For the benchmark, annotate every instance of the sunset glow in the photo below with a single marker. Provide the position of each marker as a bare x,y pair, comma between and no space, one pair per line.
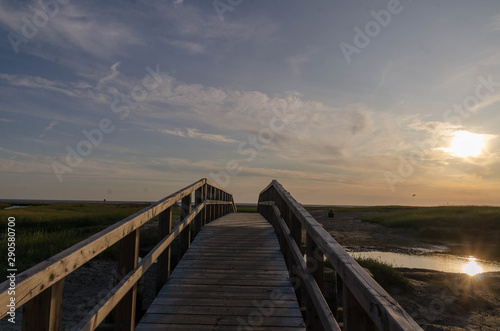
466,144
471,268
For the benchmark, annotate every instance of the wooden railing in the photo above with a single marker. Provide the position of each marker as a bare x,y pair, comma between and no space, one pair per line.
362,304
40,289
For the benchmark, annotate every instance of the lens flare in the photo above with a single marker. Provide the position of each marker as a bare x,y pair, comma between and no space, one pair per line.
471,268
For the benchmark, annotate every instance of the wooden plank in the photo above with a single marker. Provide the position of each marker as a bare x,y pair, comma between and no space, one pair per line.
249,293
313,291
127,261
218,311
33,281
163,262
218,320
44,312
162,327
185,237
243,302
225,281
102,309
385,312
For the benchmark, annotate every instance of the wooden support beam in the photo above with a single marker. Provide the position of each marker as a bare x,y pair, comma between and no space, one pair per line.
197,223
355,317
44,312
128,255
163,262
315,266
185,237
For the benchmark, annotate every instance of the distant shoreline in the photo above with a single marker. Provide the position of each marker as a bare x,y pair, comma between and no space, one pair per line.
76,201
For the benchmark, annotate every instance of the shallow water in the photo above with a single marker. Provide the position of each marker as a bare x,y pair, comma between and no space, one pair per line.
440,262
15,207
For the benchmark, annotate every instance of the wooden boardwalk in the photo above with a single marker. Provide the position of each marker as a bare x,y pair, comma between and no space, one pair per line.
232,278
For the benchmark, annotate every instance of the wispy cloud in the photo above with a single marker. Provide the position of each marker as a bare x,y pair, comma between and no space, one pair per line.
196,134
73,28
48,128
113,74
15,153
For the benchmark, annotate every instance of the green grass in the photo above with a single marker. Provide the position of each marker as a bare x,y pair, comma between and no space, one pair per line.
43,230
358,209
388,277
384,274
246,208
444,223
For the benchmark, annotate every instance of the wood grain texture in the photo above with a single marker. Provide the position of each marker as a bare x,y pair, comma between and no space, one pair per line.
233,275
382,309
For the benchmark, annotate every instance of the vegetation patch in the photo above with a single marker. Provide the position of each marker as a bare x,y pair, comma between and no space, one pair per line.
246,208
43,230
388,277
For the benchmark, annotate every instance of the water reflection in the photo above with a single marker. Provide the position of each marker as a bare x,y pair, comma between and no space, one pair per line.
440,262
471,268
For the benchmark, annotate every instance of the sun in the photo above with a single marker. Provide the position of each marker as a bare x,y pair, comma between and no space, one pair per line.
471,268
466,144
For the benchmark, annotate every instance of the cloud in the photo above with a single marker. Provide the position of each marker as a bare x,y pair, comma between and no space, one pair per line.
190,21
114,73
14,152
48,128
73,28
194,133
34,82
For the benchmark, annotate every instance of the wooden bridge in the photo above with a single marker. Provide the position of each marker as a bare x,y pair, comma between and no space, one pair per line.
235,271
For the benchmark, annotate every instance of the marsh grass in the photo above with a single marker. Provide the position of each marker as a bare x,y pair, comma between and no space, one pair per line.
43,230
476,218
246,208
384,274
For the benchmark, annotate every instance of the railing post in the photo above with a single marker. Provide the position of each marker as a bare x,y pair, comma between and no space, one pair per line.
127,260
44,312
203,212
315,265
197,222
355,317
216,206
296,232
225,206
217,197
163,262
185,236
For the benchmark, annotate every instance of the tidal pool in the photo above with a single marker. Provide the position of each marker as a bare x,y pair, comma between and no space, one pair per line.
439,262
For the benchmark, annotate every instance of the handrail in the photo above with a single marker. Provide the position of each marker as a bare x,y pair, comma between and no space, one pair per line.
313,289
33,284
366,304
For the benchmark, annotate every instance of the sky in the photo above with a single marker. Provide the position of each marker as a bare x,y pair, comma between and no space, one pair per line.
343,102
